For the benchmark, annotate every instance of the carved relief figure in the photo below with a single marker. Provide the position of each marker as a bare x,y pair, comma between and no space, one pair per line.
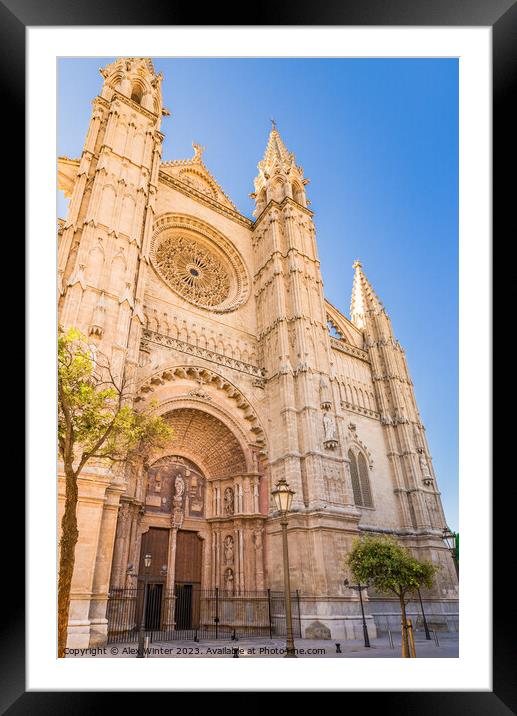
325,399
228,580
425,470
257,539
179,487
196,496
228,501
228,549
329,426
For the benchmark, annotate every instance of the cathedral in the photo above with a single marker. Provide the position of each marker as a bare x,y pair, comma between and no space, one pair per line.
219,322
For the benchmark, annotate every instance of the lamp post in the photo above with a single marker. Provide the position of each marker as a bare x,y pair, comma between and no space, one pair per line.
359,588
141,633
451,541
283,497
427,634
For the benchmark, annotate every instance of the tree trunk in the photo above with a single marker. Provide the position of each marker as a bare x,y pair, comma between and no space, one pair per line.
69,535
405,642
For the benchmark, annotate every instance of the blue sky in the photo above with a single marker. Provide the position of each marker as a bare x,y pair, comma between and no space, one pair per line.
378,138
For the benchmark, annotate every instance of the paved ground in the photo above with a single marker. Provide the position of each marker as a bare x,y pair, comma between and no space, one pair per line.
265,648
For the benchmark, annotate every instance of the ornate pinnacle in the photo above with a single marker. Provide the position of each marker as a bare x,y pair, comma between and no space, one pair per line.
198,151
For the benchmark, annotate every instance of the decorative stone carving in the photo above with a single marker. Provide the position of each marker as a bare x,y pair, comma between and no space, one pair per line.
229,501
179,487
257,539
330,430
228,580
325,397
199,263
228,549
199,393
426,474
99,313
194,271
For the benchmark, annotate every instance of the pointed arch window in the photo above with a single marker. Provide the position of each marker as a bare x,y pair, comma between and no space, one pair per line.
298,194
137,94
360,479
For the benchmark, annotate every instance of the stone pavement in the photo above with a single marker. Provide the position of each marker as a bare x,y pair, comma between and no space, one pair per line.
267,648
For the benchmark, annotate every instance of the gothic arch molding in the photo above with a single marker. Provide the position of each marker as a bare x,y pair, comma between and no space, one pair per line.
206,436
204,375
357,445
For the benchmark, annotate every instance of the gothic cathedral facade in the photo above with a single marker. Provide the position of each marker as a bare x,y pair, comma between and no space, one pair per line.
220,322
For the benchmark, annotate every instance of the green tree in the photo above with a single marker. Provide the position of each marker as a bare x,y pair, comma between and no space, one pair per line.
389,567
96,422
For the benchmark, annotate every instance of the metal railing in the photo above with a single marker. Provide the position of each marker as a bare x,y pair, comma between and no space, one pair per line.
189,613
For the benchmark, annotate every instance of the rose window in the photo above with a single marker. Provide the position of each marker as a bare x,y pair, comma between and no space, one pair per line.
192,269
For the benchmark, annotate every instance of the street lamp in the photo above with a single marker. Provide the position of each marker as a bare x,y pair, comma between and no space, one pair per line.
141,634
283,497
359,588
450,539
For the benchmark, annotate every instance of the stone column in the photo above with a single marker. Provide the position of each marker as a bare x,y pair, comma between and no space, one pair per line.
170,598
100,587
259,558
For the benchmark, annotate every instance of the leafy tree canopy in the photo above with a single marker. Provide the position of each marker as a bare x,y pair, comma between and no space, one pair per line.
388,566
95,413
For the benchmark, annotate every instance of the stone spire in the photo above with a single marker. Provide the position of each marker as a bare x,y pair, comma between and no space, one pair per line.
279,176
364,298
276,155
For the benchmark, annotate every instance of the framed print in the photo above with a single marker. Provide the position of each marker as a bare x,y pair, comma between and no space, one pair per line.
243,464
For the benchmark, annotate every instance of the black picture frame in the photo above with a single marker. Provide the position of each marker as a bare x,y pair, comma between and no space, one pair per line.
501,15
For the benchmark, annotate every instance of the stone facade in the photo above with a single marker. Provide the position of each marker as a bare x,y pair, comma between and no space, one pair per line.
221,321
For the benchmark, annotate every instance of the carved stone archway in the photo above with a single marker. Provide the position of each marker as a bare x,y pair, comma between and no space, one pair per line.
229,495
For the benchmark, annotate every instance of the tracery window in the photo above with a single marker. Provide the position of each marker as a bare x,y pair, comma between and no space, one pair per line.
360,479
193,270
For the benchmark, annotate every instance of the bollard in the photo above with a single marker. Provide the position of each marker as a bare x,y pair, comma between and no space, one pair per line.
338,649
411,638
147,641
235,652
390,639
196,638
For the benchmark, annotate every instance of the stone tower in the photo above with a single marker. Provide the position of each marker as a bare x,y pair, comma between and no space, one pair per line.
306,421
102,263
104,246
414,482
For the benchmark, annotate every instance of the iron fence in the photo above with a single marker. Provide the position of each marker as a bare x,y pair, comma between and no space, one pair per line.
188,613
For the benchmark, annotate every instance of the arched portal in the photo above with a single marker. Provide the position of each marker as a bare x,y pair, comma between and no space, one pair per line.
198,511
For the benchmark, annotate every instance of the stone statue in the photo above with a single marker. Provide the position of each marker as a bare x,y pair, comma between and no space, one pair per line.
325,398
228,549
228,580
179,486
228,501
426,473
257,539
329,426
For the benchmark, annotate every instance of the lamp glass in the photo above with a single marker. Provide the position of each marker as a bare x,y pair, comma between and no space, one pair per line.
283,496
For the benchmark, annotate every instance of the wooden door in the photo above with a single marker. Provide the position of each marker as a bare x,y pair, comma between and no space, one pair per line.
188,557
189,553
156,543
